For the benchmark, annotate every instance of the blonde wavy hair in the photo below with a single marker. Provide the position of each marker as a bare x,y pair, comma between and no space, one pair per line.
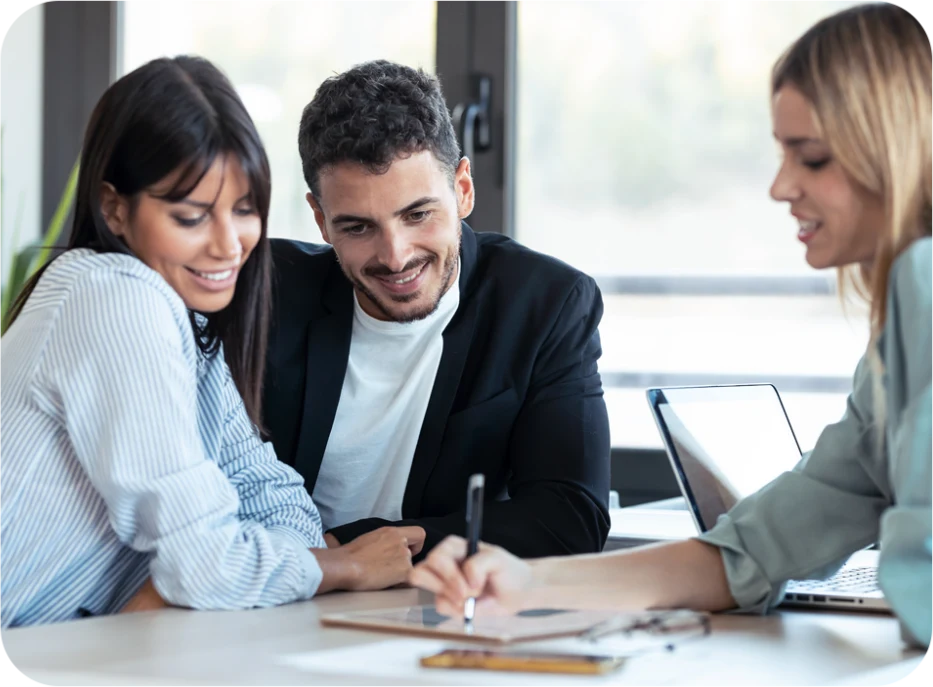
866,73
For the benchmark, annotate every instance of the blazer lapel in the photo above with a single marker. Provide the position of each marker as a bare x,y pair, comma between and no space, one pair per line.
326,367
457,338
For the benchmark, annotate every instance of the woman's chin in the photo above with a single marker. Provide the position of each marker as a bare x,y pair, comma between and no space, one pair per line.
818,260
208,303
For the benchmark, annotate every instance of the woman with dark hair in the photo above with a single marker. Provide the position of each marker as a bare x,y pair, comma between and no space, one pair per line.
132,381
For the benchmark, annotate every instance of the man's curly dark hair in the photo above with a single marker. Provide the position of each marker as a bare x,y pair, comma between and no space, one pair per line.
371,115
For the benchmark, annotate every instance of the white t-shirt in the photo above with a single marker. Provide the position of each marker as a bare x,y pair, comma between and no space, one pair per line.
390,376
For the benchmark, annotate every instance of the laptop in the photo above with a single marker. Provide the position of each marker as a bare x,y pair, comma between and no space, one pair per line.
726,442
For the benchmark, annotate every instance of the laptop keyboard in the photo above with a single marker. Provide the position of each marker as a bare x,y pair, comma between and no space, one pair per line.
846,581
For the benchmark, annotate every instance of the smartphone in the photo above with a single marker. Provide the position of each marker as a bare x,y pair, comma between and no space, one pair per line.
526,662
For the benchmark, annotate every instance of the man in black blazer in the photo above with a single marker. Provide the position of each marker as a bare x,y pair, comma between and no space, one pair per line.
411,352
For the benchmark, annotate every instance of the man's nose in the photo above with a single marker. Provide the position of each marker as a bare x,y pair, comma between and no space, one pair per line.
395,250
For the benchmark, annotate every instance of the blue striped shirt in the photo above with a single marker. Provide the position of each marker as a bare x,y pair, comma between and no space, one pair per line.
127,453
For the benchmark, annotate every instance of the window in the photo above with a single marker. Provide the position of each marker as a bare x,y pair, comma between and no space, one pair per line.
644,157
277,54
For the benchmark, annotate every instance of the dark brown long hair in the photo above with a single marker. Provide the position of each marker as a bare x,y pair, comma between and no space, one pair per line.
169,115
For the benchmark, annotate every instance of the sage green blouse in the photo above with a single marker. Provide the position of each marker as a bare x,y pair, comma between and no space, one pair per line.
851,490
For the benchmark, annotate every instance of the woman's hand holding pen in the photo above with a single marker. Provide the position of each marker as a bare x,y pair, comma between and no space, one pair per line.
499,581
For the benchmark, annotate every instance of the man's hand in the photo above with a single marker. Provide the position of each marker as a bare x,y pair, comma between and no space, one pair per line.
375,560
146,599
331,541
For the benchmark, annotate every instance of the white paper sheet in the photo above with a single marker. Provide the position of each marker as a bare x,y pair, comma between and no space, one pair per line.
398,660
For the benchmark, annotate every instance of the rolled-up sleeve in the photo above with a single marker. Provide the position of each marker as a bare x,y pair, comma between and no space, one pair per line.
806,522
126,378
855,488
270,492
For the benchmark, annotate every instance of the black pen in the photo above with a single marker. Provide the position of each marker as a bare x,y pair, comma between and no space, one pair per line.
474,526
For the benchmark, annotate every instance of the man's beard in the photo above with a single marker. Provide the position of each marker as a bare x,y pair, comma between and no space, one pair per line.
450,265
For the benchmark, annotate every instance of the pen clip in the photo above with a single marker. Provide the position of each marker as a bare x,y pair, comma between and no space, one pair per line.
474,506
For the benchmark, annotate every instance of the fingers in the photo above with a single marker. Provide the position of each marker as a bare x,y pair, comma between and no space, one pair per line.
414,537
477,569
422,576
448,607
453,546
442,564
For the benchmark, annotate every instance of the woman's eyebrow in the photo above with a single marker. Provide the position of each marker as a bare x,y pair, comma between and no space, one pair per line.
796,141
195,203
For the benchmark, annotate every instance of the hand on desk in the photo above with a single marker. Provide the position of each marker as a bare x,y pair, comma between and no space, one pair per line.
498,580
375,560
146,599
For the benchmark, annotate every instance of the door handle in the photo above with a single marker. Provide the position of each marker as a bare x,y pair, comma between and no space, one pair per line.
471,120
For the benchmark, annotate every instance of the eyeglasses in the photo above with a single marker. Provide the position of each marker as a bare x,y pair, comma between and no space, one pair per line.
671,626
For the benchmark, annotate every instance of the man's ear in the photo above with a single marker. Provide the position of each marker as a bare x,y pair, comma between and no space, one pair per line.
115,209
318,216
463,187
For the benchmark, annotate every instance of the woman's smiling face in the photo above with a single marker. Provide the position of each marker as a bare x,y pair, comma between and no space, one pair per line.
199,243
838,221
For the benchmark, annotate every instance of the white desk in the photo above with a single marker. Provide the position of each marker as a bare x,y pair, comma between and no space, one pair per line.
287,645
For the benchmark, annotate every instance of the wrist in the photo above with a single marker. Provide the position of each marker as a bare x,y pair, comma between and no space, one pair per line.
339,569
538,591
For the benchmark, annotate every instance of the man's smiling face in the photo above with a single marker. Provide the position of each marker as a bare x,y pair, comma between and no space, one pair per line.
396,234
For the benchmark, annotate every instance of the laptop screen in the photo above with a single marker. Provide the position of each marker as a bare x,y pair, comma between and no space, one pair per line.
726,442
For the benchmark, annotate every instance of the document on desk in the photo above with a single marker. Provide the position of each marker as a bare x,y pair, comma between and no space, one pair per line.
400,659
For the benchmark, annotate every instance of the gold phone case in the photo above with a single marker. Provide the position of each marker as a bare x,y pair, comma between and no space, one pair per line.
479,659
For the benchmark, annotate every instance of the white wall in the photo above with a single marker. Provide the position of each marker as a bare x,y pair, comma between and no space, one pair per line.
21,116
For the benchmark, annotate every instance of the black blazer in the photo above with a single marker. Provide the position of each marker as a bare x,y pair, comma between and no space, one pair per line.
517,395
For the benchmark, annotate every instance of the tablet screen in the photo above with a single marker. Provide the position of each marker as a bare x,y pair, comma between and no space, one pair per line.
425,620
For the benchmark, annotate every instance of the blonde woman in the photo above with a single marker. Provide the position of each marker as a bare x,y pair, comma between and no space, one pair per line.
851,112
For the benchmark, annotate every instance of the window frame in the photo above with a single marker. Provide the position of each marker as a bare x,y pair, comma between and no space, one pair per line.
463,50
81,51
